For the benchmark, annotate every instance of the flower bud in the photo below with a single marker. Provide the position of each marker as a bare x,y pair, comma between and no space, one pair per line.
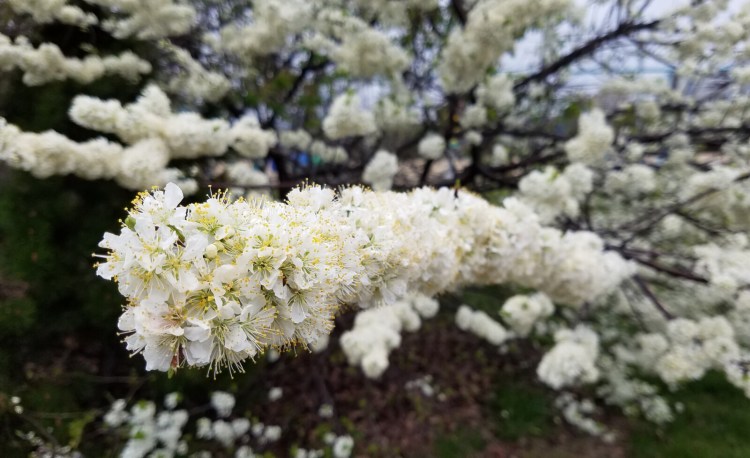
211,251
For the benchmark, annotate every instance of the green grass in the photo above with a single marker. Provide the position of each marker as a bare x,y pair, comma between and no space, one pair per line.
520,410
459,444
715,423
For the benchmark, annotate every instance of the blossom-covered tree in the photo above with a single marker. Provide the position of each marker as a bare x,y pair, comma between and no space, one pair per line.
625,214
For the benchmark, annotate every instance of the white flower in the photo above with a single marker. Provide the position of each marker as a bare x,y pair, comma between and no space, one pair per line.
522,312
572,360
342,447
204,429
380,171
248,139
346,118
432,146
275,394
325,411
157,19
479,323
499,155
593,140
171,400
497,92
222,402
272,433
474,117
117,414
223,432
680,364
375,362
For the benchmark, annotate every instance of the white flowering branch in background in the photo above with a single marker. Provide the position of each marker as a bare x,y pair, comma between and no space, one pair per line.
46,63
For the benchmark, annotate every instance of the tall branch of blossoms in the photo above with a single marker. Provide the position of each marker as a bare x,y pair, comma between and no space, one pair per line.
218,282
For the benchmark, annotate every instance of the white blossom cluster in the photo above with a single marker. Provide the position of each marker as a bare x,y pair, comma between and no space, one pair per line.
215,283
522,312
154,136
186,135
46,63
474,117
161,432
631,181
272,23
195,81
632,395
149,433
432,146
685,351
499,155
579,414
482,325
295,139
250,140
381,169
142,19
551,193
696,347
497,92
572,360
730,205
147,19
138,166
377,331
243,173
593,140
473,137
347,118
727,267
348,40
491,29
357,48
707,36
47,11
341,446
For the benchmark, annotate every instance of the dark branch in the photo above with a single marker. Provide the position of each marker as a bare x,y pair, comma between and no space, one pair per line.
588,48
652,297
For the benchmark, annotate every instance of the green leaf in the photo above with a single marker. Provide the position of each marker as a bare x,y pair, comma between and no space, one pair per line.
76,427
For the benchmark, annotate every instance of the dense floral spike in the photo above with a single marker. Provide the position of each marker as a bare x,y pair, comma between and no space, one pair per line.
215,283
46,63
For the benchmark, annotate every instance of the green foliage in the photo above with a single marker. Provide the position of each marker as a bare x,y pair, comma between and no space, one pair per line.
48,231
76,427
520,410
488,299
48,291
17,316
465,442
714,424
